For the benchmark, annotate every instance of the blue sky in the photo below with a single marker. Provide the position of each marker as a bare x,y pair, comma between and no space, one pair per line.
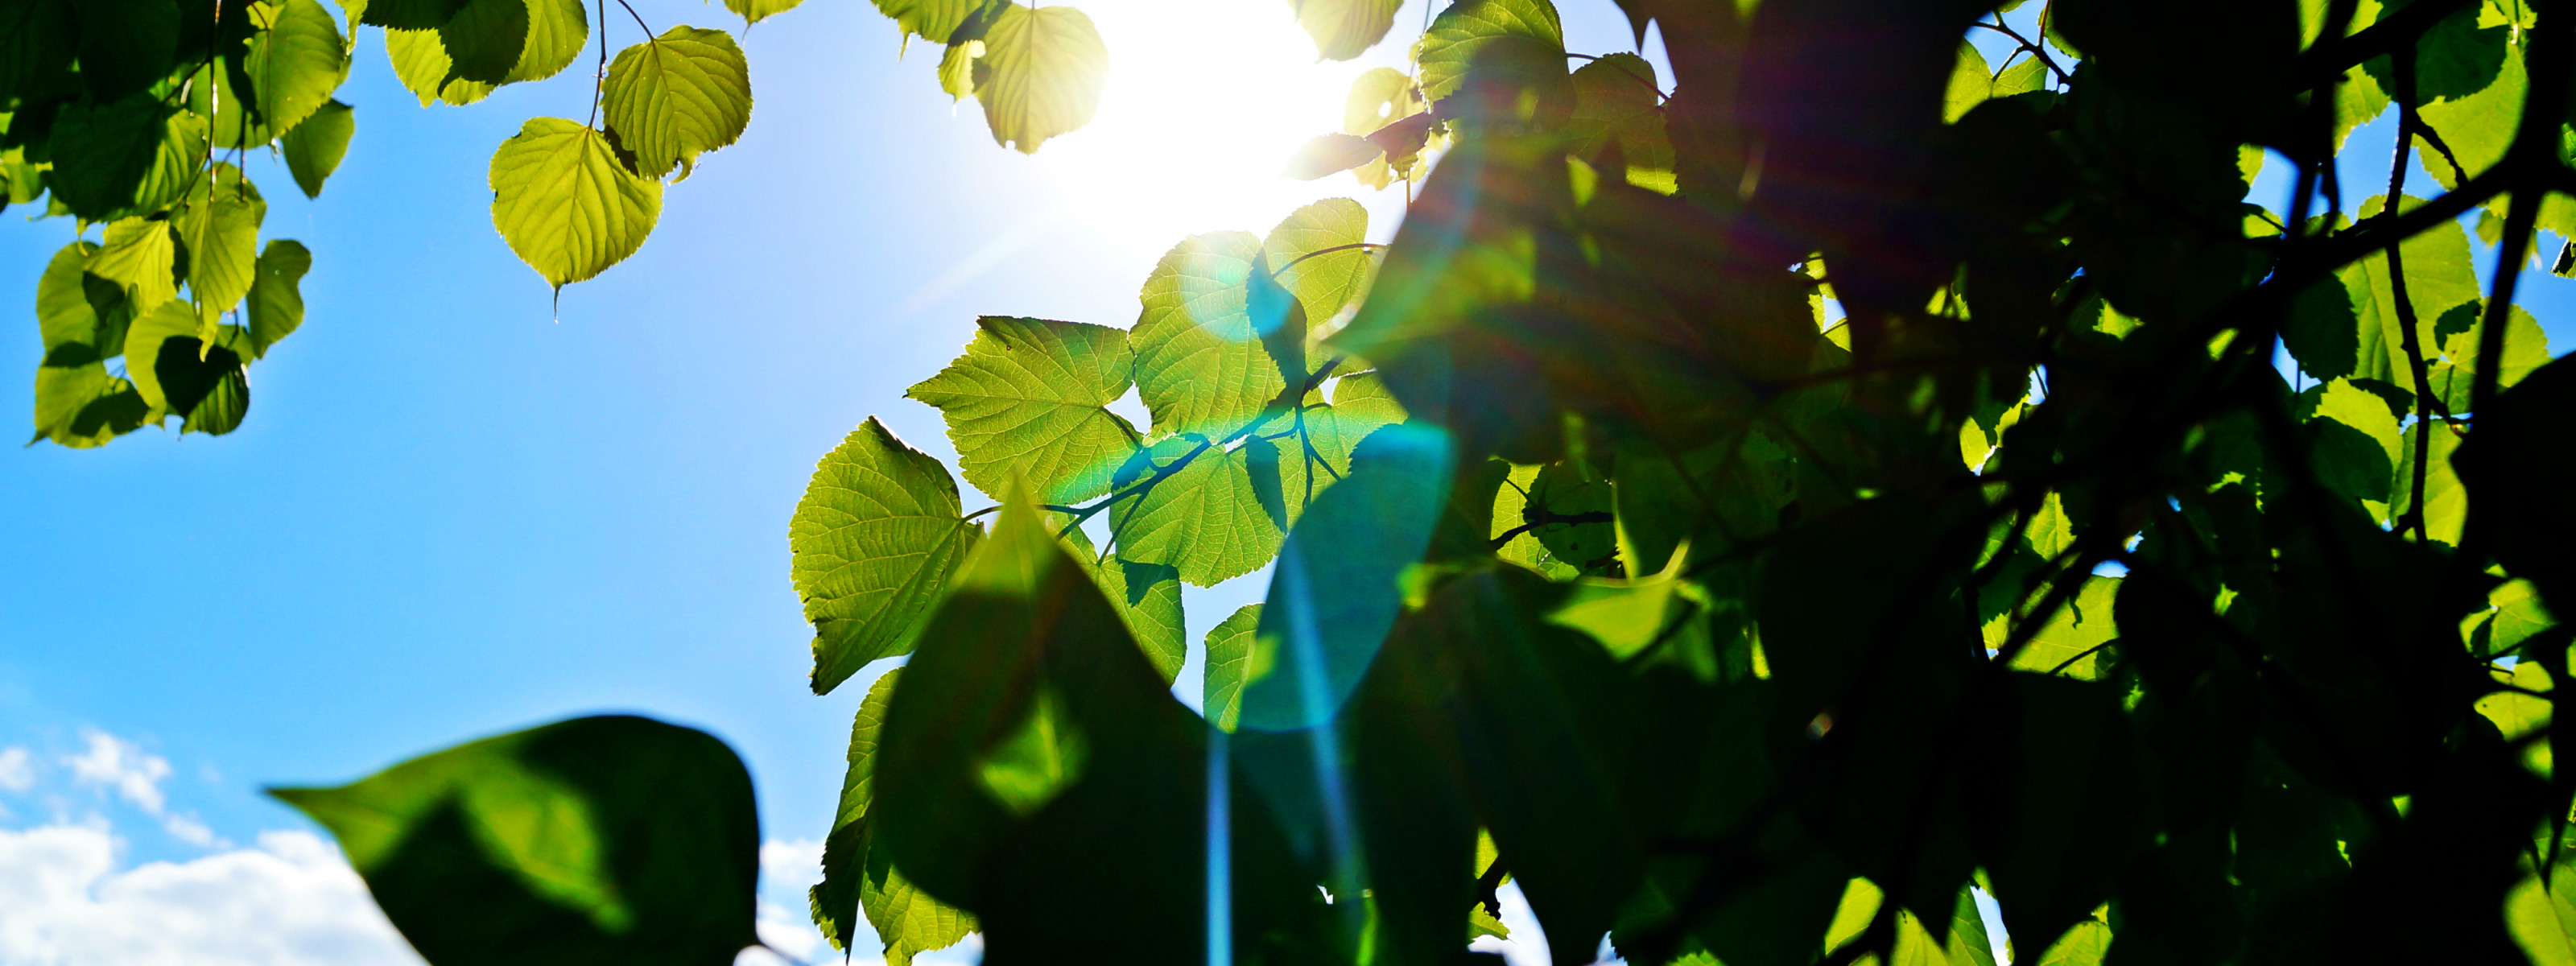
458,508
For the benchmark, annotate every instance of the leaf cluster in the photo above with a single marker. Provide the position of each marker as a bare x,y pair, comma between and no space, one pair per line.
1753,514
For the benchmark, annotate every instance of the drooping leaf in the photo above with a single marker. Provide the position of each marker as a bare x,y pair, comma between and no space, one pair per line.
1379,97
566,201
1027,400
875,540
484,40
1040,75
596,840
141,255
1200,365
314,148
276,293
421,62
83,407
1344,29
125,158
755,11
219,226
674,96
173,320
295,64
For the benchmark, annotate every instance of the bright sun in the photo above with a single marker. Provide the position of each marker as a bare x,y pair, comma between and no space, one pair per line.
1206,100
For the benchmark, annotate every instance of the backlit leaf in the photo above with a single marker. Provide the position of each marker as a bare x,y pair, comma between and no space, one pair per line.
296,63
1040,75
1027,401
875,540
1199,365
567,203
1202,519
754,11
1327,154
1343,29
276,306
1463,33
1324,283
314,148
220,228
672,97
139,254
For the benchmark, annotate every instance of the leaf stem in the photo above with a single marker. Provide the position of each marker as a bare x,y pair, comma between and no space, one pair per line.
1999,27
2412,340
639,24
1274,273
598,81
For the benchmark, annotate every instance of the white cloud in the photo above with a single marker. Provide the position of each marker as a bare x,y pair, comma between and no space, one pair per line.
193,832
113,762
794,864
17,769
291,901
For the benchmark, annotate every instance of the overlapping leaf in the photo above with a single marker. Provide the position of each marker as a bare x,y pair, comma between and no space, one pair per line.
1040,74
674,96
1028,401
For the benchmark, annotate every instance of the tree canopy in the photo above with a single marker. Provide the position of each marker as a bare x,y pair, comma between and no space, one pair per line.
1621,512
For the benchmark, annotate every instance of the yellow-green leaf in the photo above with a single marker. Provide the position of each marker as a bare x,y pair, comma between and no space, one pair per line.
567,203
1344,29
1040,75
672,97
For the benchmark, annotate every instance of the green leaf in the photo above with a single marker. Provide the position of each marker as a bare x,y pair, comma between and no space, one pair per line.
1344,29
2071,642
1463,33
125,45
2084,945
2514,465
1364,403
82,406
2475,127
1971,83
672,97
37,46
219,92
210,390
755,11
1027,400
2454,376
1327,154
856,874
931,20
406,14
1199,365
1571,517
276,294
484,39
1146,596
126,158
140,255
1040,75
1229,666
172,320
567,203
314,148
74,330
295,64
219,225
1201,519
2446,505
875,540
2438,278
1023,660
609,839
1379,97
2542,916
1324,284
1617,102
557,29
421,62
